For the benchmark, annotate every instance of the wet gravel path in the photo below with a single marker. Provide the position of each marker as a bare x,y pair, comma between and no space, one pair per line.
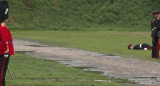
146,73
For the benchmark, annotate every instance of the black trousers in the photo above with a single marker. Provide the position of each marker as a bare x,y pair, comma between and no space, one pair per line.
155,47
3,69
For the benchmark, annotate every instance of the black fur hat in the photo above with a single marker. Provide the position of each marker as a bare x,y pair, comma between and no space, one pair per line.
4,10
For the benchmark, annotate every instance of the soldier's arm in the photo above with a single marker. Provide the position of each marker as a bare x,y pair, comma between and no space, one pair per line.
156,24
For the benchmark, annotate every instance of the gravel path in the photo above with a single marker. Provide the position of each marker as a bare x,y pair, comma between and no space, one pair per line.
144,72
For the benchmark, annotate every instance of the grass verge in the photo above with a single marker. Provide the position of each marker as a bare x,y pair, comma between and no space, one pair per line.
28,71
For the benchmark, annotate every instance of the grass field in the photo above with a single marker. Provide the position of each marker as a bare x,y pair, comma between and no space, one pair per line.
28,71
50,73
106,42
81,14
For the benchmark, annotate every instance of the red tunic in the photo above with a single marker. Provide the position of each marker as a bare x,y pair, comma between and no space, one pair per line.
6,41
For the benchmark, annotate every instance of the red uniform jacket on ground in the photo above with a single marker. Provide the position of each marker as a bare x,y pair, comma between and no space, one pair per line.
6,41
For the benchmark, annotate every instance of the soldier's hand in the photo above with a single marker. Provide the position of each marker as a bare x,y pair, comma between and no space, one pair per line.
159,34
6,55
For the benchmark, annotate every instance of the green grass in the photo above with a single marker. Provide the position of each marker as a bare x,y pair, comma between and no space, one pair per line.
28,71
134,15
106,42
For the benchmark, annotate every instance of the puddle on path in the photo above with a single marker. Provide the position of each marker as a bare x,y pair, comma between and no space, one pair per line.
39,45
111,55
24,51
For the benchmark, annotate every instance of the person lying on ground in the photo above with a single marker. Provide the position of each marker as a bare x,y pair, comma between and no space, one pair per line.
143,46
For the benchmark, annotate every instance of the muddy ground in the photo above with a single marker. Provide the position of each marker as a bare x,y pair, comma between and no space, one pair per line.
145,73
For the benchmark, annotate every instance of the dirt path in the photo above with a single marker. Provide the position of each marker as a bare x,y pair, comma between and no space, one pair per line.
143,72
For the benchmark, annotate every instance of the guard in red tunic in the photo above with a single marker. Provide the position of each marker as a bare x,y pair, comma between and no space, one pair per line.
6,45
